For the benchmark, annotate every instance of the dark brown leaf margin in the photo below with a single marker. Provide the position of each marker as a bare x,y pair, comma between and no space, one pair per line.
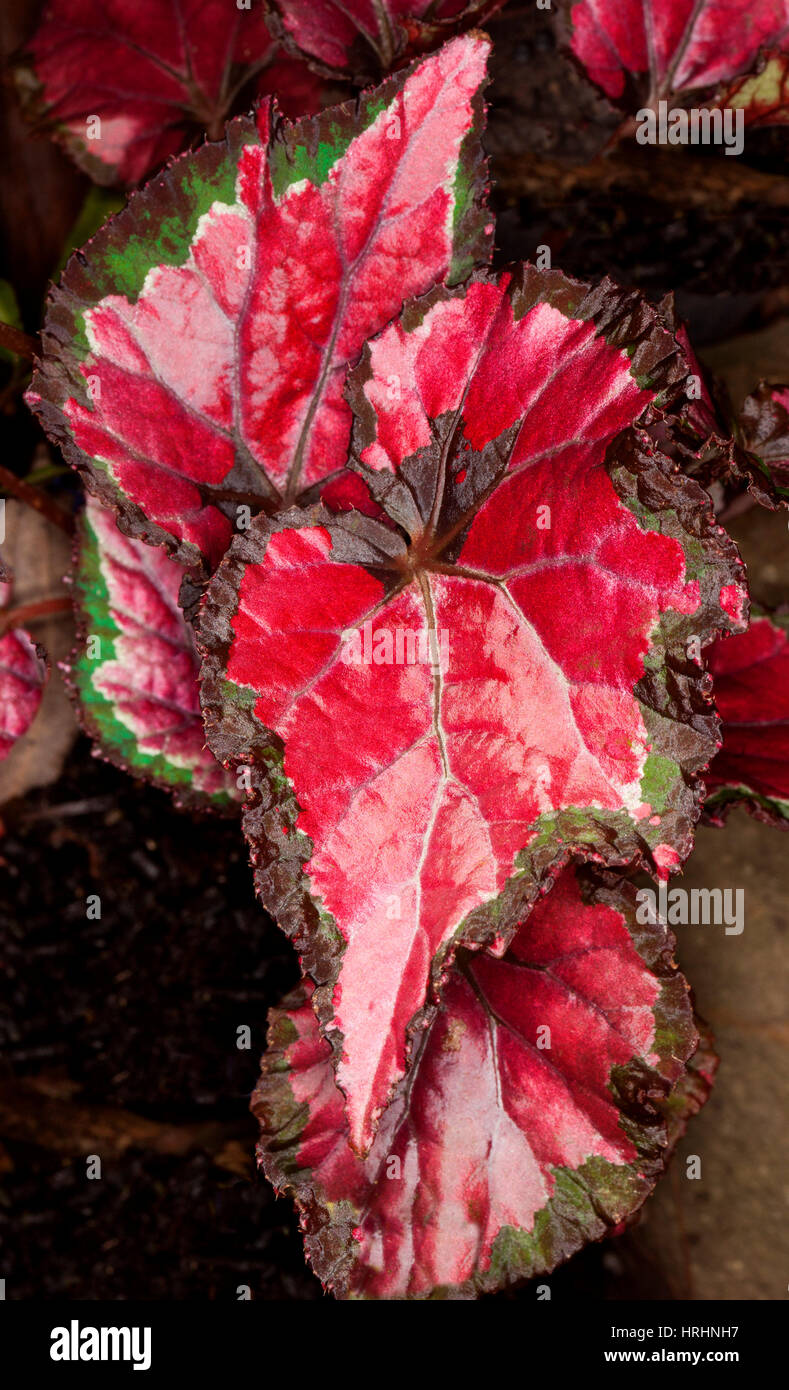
704,436
694,1087
588,1202
762,428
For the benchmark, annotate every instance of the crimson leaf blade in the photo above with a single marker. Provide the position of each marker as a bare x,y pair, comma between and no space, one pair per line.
669,49
195,360
360,39
438,723
126,84
532,1121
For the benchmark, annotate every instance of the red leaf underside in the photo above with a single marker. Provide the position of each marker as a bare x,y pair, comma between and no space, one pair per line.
127,83
438,722
649,50
751,681
194,362
134,672
530,1124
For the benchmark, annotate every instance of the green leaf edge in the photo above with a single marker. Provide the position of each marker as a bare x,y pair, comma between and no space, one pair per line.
114,740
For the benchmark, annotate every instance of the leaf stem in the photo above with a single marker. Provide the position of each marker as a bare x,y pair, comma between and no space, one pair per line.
386,45
38,499
17,341
30,612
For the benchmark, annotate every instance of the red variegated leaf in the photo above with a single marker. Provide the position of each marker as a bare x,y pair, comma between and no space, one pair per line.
194,360
134,672
440,717
125,84
751,682
644,51
361,39
530,1124
23,674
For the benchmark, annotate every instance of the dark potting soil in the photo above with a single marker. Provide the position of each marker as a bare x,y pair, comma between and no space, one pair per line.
138,1010
138,1013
